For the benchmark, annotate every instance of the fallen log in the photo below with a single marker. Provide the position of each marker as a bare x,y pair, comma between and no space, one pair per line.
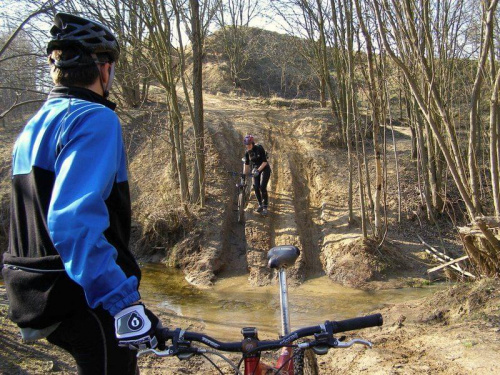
443,258
434,269
469,231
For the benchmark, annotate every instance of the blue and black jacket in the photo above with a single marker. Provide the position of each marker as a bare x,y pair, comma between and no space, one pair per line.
70,213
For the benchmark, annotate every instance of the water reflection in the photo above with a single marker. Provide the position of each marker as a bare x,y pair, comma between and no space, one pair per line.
232,303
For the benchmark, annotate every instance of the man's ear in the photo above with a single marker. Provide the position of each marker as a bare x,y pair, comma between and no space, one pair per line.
105,73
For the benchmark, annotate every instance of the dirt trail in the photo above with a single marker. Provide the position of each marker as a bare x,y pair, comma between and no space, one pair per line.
291,217
307,186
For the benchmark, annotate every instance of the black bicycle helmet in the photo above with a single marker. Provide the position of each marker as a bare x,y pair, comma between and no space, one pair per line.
74,31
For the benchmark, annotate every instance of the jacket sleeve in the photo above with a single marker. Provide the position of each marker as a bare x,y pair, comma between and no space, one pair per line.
264,156
85,170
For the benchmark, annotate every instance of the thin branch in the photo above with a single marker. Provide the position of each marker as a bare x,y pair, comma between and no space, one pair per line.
22,55
21,89
15,105
44,8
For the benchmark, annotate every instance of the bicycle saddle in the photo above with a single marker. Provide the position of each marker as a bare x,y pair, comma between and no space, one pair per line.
282,256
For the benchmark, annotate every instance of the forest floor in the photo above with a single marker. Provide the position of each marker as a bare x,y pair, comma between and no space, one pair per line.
456,331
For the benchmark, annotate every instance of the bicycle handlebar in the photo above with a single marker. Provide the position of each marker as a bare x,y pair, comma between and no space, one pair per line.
179,336
358,323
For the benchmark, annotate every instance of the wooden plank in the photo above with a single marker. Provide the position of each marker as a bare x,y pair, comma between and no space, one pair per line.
439,253
439,256
454,266
430,270
435,256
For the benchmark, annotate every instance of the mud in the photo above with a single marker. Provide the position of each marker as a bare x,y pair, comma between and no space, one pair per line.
308,197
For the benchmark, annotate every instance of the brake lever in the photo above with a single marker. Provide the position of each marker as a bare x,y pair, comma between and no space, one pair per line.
321,346
184,353
160,353
348,344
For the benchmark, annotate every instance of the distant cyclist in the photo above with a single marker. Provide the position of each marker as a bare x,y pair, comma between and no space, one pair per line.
255,157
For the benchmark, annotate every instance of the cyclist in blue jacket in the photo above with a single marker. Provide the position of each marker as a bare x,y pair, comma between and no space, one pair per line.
69,273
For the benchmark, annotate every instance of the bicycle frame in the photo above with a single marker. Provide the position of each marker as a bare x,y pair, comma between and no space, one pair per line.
242,198
253,365
242,195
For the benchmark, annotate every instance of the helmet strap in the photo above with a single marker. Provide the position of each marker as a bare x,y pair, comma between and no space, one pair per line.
111,78
106,87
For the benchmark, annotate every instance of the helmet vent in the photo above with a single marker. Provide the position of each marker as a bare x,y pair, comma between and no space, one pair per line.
93,41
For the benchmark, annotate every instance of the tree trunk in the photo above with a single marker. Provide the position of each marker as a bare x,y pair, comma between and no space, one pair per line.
199,129
424,163
375,106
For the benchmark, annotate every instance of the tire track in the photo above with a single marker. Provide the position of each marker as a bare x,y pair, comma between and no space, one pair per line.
233,246
293,223
304,213
300,185
247,244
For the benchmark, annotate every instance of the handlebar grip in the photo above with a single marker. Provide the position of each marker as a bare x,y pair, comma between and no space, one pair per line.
358,323
164,334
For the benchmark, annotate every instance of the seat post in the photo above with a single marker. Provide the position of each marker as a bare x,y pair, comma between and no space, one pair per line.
285,313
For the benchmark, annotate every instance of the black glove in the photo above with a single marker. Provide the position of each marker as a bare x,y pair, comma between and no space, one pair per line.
135,328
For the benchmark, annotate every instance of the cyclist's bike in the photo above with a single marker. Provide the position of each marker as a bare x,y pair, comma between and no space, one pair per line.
243,190
297,355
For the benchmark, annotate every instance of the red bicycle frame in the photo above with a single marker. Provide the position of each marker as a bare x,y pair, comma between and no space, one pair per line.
253,365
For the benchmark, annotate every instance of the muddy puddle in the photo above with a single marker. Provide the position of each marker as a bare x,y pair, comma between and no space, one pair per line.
232,303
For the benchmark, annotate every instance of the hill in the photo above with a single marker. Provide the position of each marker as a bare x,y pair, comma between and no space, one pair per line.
268,64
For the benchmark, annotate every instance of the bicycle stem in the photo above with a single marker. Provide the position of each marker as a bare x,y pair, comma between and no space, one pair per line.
285,313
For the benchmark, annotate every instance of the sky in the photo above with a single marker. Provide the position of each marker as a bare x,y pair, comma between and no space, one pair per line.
17,10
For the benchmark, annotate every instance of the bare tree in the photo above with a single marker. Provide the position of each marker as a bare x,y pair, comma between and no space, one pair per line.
376,105
18,48
397,25
234,17
163,60
126,21
197,43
